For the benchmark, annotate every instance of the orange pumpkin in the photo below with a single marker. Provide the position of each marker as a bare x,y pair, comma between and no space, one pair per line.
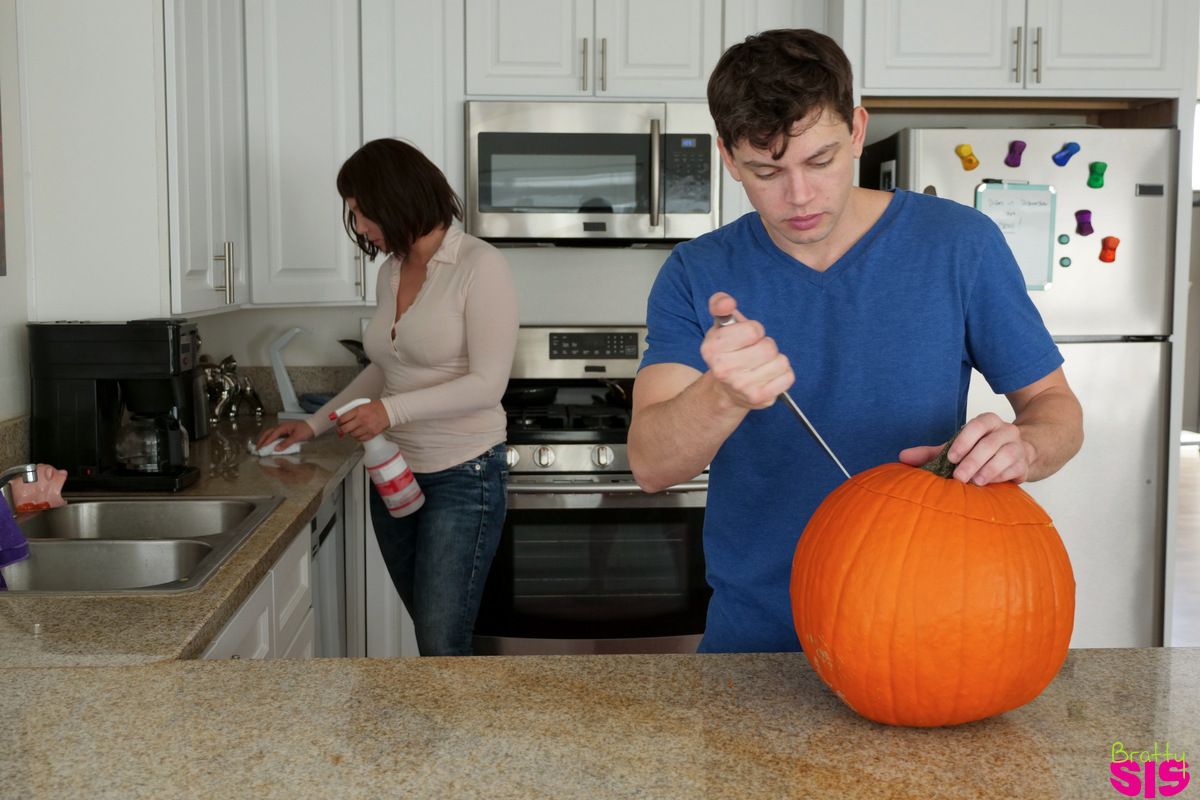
920,600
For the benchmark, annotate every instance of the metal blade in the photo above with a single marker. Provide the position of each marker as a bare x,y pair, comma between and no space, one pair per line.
725,320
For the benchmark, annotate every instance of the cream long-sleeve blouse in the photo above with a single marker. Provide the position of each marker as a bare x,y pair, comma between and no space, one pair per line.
442,377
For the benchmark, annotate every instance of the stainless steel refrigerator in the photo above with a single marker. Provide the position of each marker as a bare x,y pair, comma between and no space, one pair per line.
1089,213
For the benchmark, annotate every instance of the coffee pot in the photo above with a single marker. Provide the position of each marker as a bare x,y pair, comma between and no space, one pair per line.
152,443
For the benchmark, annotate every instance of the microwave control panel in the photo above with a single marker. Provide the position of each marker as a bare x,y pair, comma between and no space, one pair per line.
687,168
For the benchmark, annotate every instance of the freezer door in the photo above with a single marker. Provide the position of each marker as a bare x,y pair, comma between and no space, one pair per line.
1108,503
1129,296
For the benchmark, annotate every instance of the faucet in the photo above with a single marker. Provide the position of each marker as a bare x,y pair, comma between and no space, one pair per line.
28,472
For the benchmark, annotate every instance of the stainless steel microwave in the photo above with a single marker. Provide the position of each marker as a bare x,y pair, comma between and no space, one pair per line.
562,171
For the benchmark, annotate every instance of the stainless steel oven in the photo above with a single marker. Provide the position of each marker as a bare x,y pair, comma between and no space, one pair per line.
560,171
588,562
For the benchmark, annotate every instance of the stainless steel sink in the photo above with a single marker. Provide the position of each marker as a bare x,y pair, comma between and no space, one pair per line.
104,565
132,518
133,544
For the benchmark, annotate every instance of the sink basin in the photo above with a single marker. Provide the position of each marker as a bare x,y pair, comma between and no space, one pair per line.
132,518
133,544
105,565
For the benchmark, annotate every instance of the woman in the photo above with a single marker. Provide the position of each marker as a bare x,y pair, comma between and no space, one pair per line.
441,345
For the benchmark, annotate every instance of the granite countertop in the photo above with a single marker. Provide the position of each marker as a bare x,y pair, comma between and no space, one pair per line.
662,726
130,628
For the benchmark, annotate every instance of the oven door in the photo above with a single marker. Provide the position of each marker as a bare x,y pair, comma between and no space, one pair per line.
564,170
597,569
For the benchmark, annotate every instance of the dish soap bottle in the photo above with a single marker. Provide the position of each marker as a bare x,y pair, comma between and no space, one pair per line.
388,470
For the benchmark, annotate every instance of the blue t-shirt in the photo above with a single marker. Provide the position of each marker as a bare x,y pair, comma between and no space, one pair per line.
882,345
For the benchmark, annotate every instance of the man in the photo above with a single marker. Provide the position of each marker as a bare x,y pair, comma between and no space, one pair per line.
877,306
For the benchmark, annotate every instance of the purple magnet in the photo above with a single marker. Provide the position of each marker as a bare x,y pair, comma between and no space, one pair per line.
1063,156
1015,148
1083,223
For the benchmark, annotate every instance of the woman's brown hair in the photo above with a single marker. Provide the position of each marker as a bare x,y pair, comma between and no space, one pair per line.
763,86
395,186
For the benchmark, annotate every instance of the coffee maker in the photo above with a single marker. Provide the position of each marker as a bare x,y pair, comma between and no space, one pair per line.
115,403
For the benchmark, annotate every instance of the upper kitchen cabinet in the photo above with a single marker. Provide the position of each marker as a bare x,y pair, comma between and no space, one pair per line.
302,91
206,153
130,115
1061,47
591,48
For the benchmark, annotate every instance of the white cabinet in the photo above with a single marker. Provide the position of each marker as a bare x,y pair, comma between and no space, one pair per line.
583,48
250,633
276,621
129,171
206,153
302,91
1054,46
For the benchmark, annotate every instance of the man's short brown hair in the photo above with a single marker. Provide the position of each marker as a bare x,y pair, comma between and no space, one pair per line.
763,86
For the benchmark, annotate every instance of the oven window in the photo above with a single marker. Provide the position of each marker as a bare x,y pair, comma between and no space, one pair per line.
564,173
597,573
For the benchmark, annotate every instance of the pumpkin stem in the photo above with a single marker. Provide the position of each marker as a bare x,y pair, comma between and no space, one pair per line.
941,465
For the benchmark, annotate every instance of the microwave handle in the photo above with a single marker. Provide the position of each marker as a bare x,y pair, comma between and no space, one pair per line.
655,170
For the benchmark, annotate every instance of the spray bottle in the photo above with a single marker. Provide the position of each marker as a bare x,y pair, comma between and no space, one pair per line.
388,470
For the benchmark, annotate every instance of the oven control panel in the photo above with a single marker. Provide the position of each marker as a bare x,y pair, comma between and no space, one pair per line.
614,344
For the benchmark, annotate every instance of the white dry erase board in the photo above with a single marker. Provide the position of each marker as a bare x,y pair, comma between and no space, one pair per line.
1025,214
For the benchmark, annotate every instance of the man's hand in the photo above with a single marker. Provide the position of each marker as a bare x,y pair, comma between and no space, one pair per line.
986,450
364,422
743,360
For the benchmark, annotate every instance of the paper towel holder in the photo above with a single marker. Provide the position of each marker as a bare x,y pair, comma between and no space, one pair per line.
291,405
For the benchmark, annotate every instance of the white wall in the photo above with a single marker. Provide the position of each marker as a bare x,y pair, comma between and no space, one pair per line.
14,374
555,286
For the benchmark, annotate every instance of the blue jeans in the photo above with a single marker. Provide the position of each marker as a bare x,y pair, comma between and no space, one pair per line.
440,555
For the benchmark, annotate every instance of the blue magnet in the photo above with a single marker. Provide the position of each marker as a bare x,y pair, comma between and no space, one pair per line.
1064,155
1063,238
1064,262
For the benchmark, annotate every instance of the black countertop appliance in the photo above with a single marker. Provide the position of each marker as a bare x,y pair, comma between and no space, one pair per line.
115,403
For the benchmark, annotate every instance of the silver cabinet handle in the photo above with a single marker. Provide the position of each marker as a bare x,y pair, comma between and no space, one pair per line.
601,488
1037,56
226,257
655,176
604,65
361,282
1017,59
583,60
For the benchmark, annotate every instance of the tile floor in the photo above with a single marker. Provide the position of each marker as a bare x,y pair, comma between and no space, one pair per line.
1186,619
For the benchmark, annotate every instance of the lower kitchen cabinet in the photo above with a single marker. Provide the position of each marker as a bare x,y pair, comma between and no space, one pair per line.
389,628
276,621
251,631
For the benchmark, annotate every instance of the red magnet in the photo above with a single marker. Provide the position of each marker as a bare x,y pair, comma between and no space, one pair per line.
1015,149
1096,174
967,154
1108,248
1064,155
1083,223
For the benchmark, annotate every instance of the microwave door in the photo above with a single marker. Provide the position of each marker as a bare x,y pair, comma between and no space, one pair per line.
563,170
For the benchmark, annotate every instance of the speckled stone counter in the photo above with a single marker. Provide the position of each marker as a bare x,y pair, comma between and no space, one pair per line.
120,629
677,726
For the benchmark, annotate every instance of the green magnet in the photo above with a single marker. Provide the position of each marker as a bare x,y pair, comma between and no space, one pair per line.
1063,238
1064,262
1096,174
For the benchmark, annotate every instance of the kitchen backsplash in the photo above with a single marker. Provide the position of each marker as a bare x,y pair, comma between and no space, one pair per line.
14,441
305,380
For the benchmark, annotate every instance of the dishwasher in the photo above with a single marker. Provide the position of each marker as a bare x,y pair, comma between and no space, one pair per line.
329,577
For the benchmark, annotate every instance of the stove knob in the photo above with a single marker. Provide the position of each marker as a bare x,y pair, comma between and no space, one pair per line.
511,456
543,456
602,456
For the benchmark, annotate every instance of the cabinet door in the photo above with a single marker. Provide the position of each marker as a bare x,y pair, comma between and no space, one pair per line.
943,44
251,631
302,92
206,135
664,49
293,587
539,47
1103,44
304,645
